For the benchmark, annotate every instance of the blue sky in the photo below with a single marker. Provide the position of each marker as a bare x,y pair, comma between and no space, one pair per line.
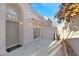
46,9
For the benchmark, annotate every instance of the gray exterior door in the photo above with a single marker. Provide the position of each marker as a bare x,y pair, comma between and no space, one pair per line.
12,33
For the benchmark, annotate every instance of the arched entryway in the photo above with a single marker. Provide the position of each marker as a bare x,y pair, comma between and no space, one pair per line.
13,26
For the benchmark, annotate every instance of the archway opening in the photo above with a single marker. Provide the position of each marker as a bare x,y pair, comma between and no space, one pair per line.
13,27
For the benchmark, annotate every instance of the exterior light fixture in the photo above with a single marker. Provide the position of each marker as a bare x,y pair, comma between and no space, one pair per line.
37,26
21,22
31,24
34,26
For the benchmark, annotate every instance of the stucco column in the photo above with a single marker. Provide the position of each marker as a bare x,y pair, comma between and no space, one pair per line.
27,26
2,29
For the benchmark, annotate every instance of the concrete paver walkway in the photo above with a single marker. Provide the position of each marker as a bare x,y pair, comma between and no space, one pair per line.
37,47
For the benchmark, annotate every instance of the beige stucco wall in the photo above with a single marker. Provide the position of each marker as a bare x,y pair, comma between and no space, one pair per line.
26,31
2,29
27,34
27,27
74,36
74,42
73,28
45,31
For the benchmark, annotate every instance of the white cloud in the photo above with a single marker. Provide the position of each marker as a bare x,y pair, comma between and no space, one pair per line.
46,17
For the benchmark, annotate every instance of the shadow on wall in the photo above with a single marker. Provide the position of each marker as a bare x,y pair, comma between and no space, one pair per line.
74,43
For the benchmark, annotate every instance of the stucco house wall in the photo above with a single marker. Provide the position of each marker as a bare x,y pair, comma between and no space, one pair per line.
26,34
27,27
26,31
2,29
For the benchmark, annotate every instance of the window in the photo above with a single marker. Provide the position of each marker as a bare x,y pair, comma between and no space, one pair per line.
11,14
36,32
